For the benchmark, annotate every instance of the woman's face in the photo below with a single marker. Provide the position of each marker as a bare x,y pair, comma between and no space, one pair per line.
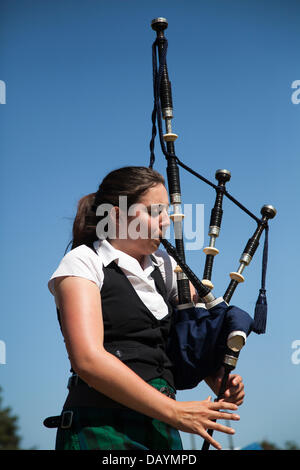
147,221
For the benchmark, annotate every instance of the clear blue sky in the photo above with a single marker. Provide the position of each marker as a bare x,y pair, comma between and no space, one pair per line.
78,104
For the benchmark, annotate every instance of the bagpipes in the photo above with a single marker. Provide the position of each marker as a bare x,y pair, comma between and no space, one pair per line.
211,334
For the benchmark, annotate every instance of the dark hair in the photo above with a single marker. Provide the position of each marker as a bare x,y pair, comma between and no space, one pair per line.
130,181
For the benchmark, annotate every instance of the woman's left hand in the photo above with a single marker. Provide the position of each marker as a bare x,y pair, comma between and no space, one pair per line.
234,392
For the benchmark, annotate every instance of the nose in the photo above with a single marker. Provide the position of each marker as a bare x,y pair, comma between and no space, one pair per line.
164,219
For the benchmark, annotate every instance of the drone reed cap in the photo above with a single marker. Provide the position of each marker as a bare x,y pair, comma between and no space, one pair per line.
159,24
223,176
268,211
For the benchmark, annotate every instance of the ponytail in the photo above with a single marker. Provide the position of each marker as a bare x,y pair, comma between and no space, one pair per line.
84,226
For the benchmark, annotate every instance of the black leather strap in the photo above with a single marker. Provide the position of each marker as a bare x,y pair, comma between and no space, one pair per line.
64,421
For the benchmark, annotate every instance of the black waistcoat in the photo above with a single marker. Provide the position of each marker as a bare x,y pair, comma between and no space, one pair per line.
131,333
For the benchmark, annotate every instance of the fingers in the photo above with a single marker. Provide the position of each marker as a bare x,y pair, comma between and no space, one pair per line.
223,405
198,417
210,439
234,397
235,390
216,426
238,398
221,428
235,383
225,416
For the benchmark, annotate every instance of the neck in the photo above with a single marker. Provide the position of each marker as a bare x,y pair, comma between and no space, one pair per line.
119,245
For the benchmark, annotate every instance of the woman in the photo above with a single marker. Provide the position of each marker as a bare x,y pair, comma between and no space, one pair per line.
113,292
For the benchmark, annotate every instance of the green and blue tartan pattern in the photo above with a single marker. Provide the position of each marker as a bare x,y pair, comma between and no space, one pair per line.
118,429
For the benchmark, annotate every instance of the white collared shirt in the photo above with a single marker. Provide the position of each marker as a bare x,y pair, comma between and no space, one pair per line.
84,262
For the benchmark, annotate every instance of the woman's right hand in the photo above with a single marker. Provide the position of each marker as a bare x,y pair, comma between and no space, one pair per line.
196,417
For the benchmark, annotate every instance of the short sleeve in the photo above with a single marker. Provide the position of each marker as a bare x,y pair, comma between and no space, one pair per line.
79,262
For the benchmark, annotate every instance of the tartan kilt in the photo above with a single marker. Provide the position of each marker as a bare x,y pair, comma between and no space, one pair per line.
117,429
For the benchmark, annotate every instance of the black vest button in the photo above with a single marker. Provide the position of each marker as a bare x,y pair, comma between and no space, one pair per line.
118,353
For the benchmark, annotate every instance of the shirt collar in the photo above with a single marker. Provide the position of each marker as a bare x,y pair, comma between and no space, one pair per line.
109,254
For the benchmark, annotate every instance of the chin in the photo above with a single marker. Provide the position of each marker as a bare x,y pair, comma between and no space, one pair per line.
156,242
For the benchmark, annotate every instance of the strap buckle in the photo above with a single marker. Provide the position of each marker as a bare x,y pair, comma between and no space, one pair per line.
66,419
